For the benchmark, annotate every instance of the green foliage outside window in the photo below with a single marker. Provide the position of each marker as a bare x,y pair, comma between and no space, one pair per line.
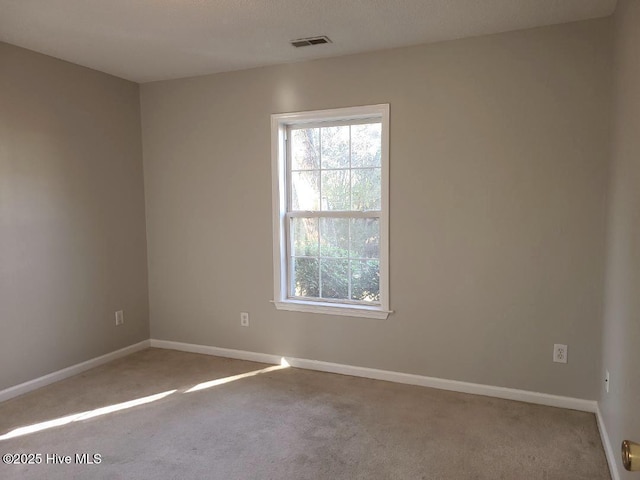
335,274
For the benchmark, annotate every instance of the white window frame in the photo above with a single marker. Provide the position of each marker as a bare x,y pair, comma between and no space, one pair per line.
279,124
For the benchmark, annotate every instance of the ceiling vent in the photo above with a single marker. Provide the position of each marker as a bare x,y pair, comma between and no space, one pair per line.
306,42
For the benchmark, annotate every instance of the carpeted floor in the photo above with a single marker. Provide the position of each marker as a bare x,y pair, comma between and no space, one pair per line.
284,423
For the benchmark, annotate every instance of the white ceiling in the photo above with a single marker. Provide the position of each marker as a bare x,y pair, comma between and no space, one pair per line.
146,40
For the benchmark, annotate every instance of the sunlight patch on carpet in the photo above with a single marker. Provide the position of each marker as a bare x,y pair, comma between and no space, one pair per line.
38,427
233,378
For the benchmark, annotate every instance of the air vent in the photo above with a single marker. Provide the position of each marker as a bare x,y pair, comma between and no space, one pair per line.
306,42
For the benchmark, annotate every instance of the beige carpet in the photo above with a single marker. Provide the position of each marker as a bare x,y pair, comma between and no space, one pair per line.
285,424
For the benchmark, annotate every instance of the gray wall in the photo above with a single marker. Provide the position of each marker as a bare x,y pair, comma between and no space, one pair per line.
72,228
621,330
499,153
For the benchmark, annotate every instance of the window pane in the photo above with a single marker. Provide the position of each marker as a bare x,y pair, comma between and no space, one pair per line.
335,278
305,149
365,280
306,277
335,189
365,189
335,147
365,238
366,146
305,190
305,237
334,237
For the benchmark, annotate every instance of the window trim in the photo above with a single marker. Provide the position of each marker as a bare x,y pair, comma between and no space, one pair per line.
279,124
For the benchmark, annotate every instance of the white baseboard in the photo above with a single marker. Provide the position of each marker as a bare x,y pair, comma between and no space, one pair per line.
397,377
26,387
608,448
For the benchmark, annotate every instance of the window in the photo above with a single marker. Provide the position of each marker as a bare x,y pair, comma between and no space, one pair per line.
330,204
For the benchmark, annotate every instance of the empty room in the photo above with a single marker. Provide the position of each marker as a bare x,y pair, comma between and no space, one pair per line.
320,239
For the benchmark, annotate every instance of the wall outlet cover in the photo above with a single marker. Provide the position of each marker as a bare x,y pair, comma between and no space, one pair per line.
560,353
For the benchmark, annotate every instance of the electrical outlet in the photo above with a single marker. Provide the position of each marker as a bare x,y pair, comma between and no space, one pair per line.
606,381
119,317
560,353
244,319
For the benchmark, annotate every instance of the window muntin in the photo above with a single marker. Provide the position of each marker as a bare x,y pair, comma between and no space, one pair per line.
330,205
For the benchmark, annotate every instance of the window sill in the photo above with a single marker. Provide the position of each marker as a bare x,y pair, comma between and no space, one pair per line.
333,309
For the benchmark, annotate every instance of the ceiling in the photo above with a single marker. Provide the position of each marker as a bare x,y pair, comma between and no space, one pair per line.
147,40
